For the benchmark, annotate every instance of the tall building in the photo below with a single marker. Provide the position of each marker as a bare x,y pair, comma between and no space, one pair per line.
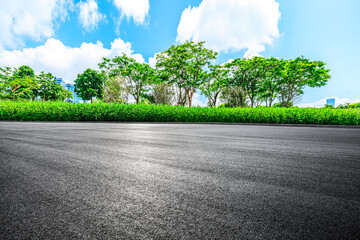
71,88
330,101
60,81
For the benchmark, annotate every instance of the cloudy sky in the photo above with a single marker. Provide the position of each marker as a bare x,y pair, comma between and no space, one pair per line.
65,37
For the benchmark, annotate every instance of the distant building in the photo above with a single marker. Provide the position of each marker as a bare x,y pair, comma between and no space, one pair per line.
70,87
330,101
60,81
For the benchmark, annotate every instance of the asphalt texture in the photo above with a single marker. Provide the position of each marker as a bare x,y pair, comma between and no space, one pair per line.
178,181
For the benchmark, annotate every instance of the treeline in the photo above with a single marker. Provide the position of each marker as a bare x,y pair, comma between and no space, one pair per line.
185,69
22,83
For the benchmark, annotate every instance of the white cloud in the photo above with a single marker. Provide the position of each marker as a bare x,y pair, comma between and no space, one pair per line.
254,51
152,60
197,101
63,61
136,9
29,19
89,15
231,24
322,102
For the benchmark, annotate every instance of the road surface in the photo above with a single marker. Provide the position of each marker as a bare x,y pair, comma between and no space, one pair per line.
178,181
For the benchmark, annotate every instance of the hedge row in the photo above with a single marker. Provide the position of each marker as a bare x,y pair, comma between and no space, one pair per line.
61,111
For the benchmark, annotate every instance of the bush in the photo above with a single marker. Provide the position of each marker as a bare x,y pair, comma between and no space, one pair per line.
355,105
62,111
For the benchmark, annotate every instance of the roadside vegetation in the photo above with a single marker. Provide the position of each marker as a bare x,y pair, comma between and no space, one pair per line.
62,111
242,90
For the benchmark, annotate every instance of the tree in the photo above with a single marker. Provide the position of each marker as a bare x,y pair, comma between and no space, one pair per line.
115,90
234,97
25,71
162,93
18,83
249,74
271,83
184,65
5,76
89,85
49,89
216,81
21,88
138,76
59,93
298,74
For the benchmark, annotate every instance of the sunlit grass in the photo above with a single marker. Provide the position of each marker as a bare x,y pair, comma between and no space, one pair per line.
62,111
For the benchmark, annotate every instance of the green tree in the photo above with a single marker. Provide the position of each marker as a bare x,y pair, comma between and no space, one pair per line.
115,90
49,89
59,93
138,76
184,65
249,74
298,74
270,86
25,76
162,93
21,88
5,77
24,71
234,97
89,85
216,81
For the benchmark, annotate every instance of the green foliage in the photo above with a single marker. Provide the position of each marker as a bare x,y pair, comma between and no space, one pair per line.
162,94
115,90
62,111
18,83
25,71
138,76
215,82
266,79
298,74
343,106
50,90
283,104
21,88
355,105
250,75
329,106
89,84
234,97
184,66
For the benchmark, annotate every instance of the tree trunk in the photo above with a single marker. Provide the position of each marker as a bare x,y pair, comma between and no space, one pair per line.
190,95
91,99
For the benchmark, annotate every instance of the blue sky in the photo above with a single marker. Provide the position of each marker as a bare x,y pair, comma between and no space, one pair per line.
65,37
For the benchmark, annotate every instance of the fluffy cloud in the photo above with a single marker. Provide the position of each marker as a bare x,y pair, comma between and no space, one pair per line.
322,102
136,9
64,61
89,15
231,24
152,60
199,100
32,19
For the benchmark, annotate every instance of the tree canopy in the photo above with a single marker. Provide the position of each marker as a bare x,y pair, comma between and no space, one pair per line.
181,71
184,65
89,84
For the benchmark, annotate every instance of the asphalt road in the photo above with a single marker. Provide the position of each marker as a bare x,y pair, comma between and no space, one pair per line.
178,181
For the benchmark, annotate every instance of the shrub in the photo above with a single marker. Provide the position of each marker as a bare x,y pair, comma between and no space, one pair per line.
63,111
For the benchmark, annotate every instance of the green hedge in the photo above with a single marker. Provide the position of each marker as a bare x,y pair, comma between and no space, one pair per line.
61,111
